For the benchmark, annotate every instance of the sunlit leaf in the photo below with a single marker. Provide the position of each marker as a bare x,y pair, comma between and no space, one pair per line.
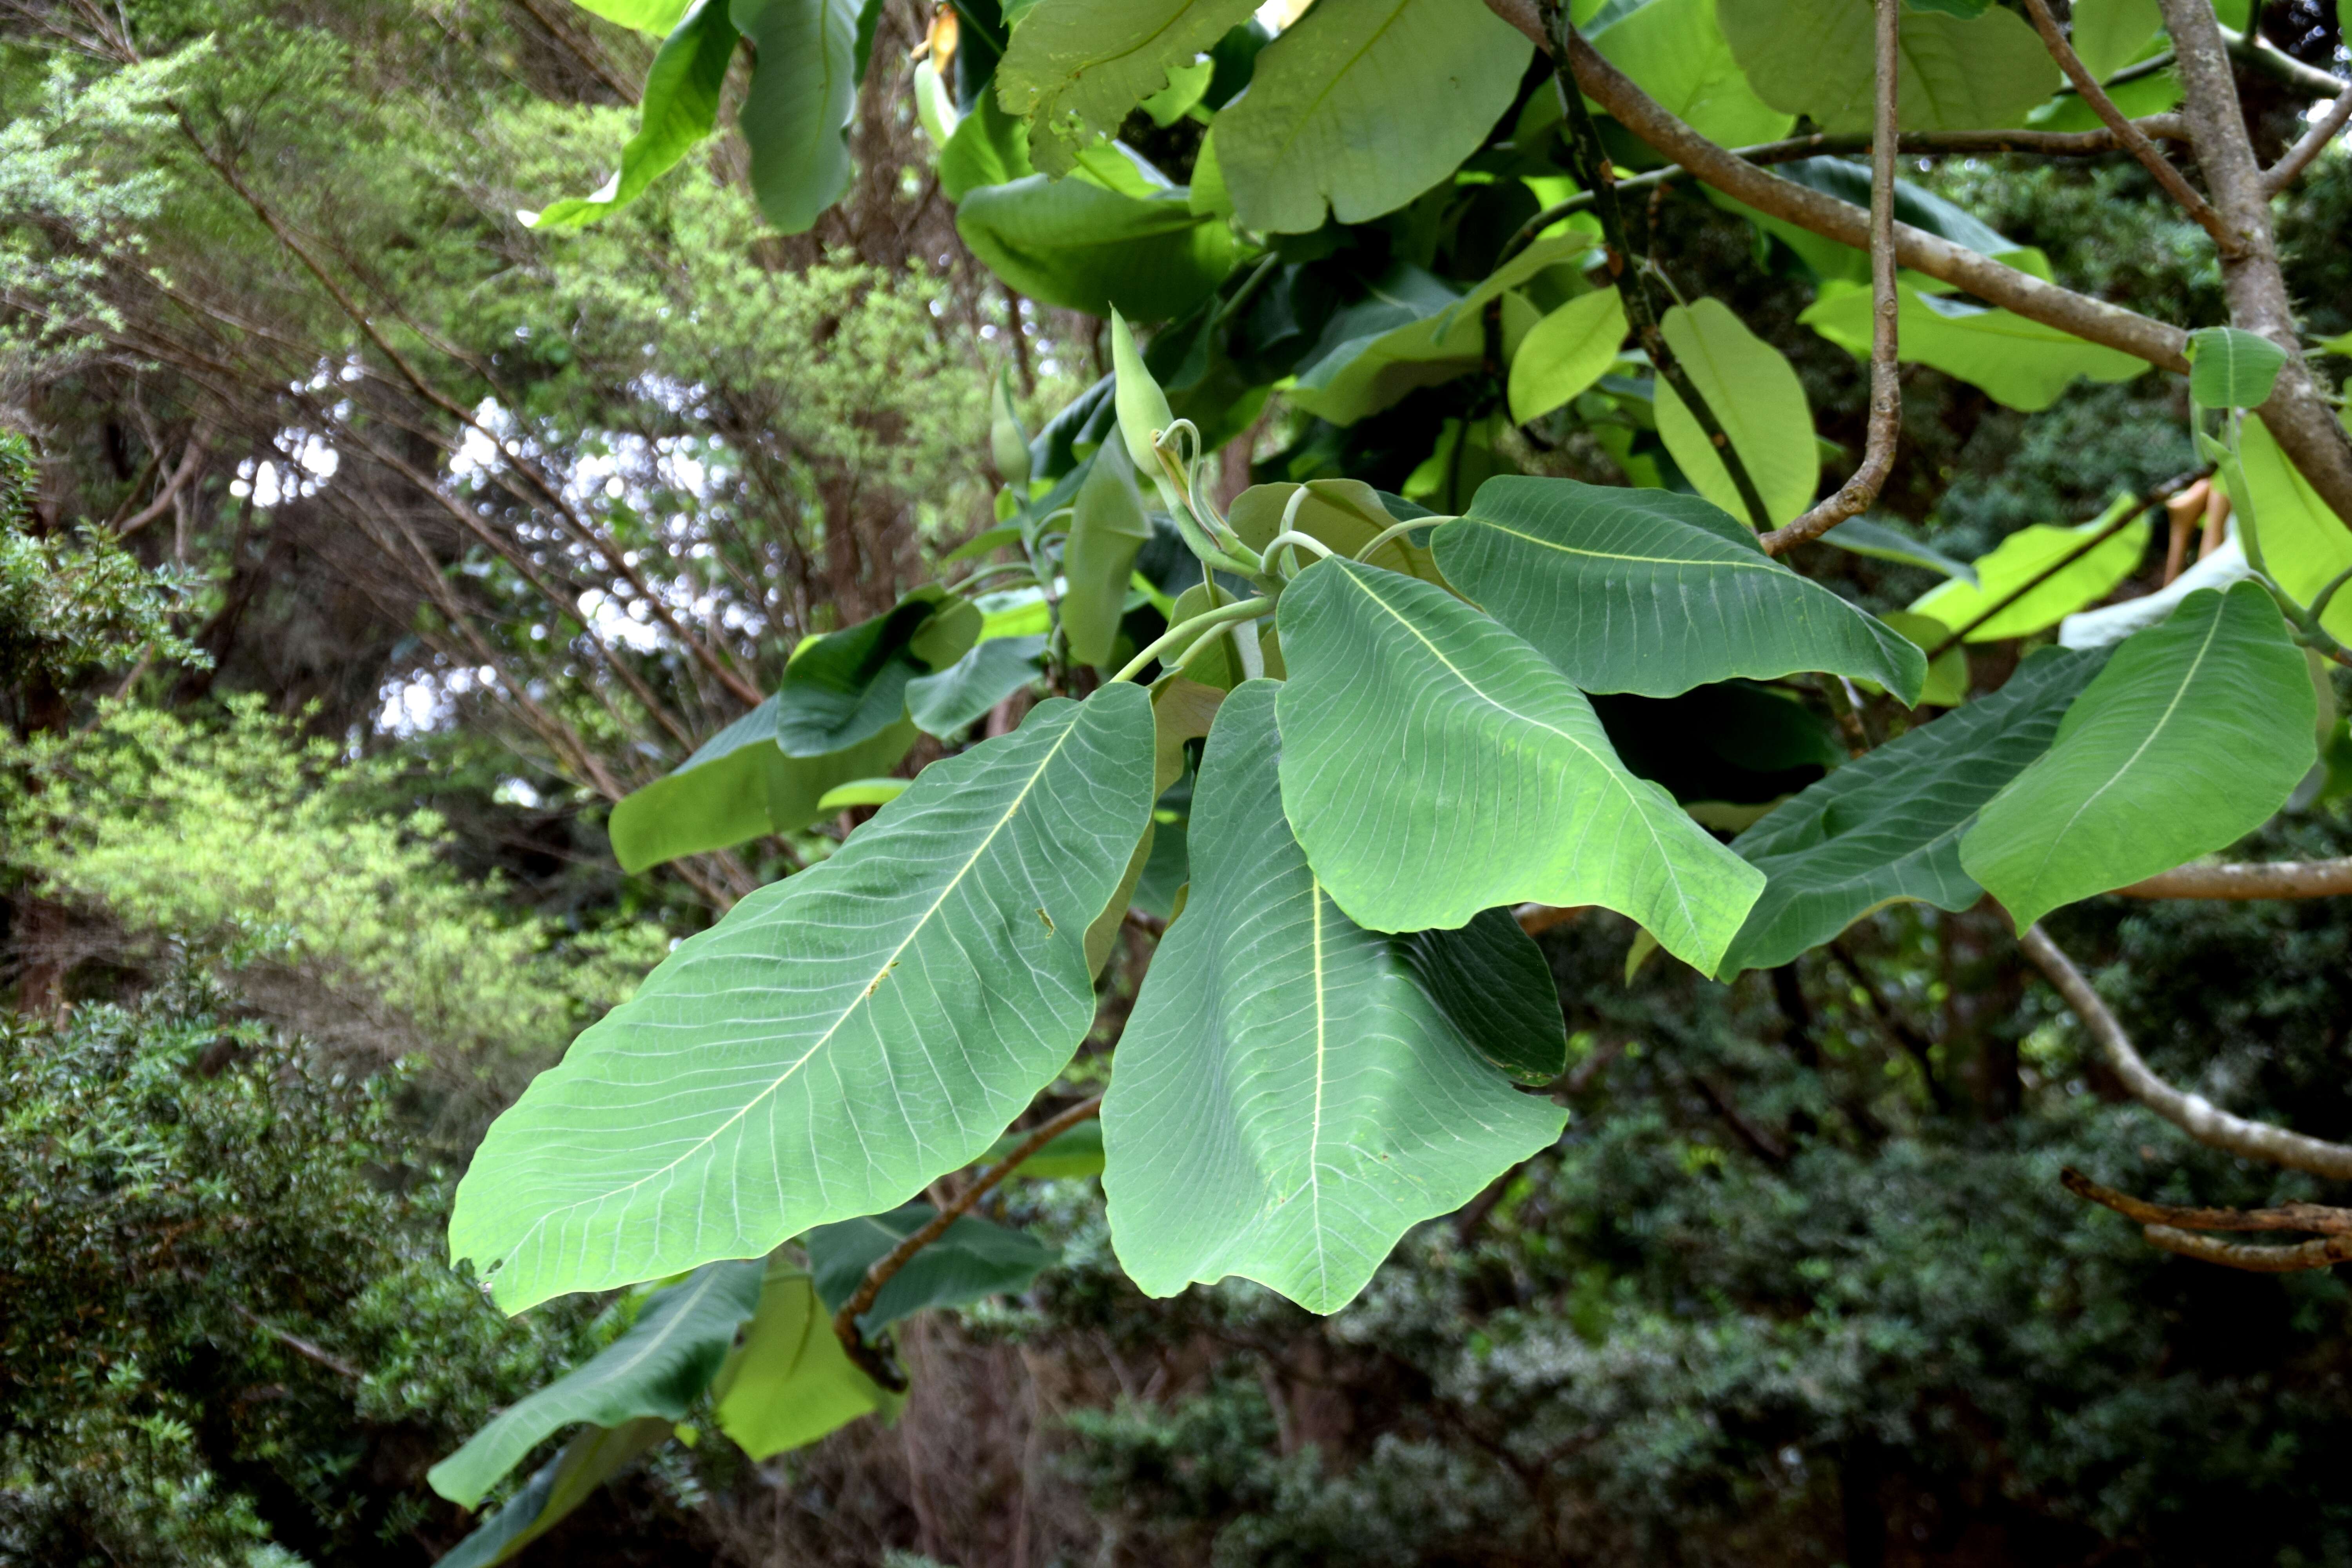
790,1382
680,108
1076,1152
1566,353
862,791
655,16
2026,556
1675,52
2303,542
1755,395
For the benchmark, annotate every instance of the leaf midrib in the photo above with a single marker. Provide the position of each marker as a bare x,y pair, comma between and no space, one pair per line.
1730,563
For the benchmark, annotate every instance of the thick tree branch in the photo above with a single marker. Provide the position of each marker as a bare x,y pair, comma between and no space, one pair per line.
2192,1113
2277,879
1862,485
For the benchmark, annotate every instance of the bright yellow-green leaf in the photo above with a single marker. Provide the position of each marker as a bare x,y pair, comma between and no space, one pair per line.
2303,543
1675,52
790,1382
1947,677
2025,555
1566,353
861,791
2108,34
1755,395
2020,364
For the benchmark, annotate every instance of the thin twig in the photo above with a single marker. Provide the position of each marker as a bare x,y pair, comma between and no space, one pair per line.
876,1364
1862,486
2176,185
2192,1113
2314,141
2275,879
199,448
301,1346
2316,1217
2160,493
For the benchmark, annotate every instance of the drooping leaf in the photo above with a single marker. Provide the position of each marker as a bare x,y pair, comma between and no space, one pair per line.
1566,353
1675,52
1813,57
1865,538
790,1382
1076,1152
2303,542
1652,592
862,791
1085,246
1076,66
840,1037
2019,364
2232,368
1107,530
796,112
1364,106
1291,1097
1755,395
1346,514
1008,443
989,147
969,1260
2108,34
844,686
2026,556
1491,980
1495,782
660,1367
961,694
680,108
1886,827
2195,732
562,1484
1947,677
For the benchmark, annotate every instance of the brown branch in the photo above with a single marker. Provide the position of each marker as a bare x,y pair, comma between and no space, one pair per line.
2174,182
2316,1217
2322,1253
301,1346
2192,1113
2275,879
877,1366
1536,918
1862,486
2314,141
199,448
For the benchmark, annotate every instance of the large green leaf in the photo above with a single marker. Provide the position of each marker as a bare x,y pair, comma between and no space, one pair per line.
1084,247
680,108
796,112
1648,591
660,1367
1346,514
2197,730
2020,364
1755,395
2108,34
1675,52
1107,530
969,1260
989,147
1364,106
841,1037
1491,980
2026,556
1075,67
790,1382
943,704
1435,765
1291,1095
847,686
1813,57
2303,543
1566,353
562,1484
2232,368
1886,827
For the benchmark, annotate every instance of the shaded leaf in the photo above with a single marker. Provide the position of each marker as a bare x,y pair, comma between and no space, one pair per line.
844,686
2108,34
796,112
1084,247
1107,530
1755,395
1863,538
1947,678
565,1482
1813,57
969,1260
790,1382
1490,979
1346,514
961,694
680,108
989,147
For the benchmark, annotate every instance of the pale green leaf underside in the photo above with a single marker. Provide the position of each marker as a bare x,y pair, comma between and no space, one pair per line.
1656,593
1289,1098
2197,730
790,1382
1888,826
2019,364
658,1368
1435,765
1107,530
1753,392
1075,67
1364,106
841,1037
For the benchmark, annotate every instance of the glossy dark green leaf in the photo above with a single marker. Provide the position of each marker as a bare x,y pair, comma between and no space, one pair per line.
1495,782
565,1482
1107,530
796,111
1075,68
969,1260
1886,827
1491,980
1652,592
790,1382
1291,1097
680,108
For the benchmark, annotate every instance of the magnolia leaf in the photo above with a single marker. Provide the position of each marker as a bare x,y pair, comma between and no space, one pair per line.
1496,783
655,16
1813,57
1863,538
1291,1095
2026,556
796,113
969,1260
1084,247
1675,52
1075,67
587,1462
680,108
1008,443
2195,732
2108,34
1656,593
839,1038
1491,980
861,791
2303,543
1566,353
1364,106
1075,1152
1886,827
660,1367
1947,678
988,148
2232,368
790,1382
1754,394
1107,530
2019,364
959,695
847,686
1346,514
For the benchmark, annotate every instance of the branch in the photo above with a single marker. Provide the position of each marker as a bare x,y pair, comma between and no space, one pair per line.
2192,1113
1862,486
199,448
301,1346
2286,1217
2297,158
2160,493
2319,1254
2174,186
877,1366
2275,879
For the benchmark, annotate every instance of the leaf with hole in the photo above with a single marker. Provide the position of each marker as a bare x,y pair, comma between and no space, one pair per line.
1754,394
1075,68
1292,1095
